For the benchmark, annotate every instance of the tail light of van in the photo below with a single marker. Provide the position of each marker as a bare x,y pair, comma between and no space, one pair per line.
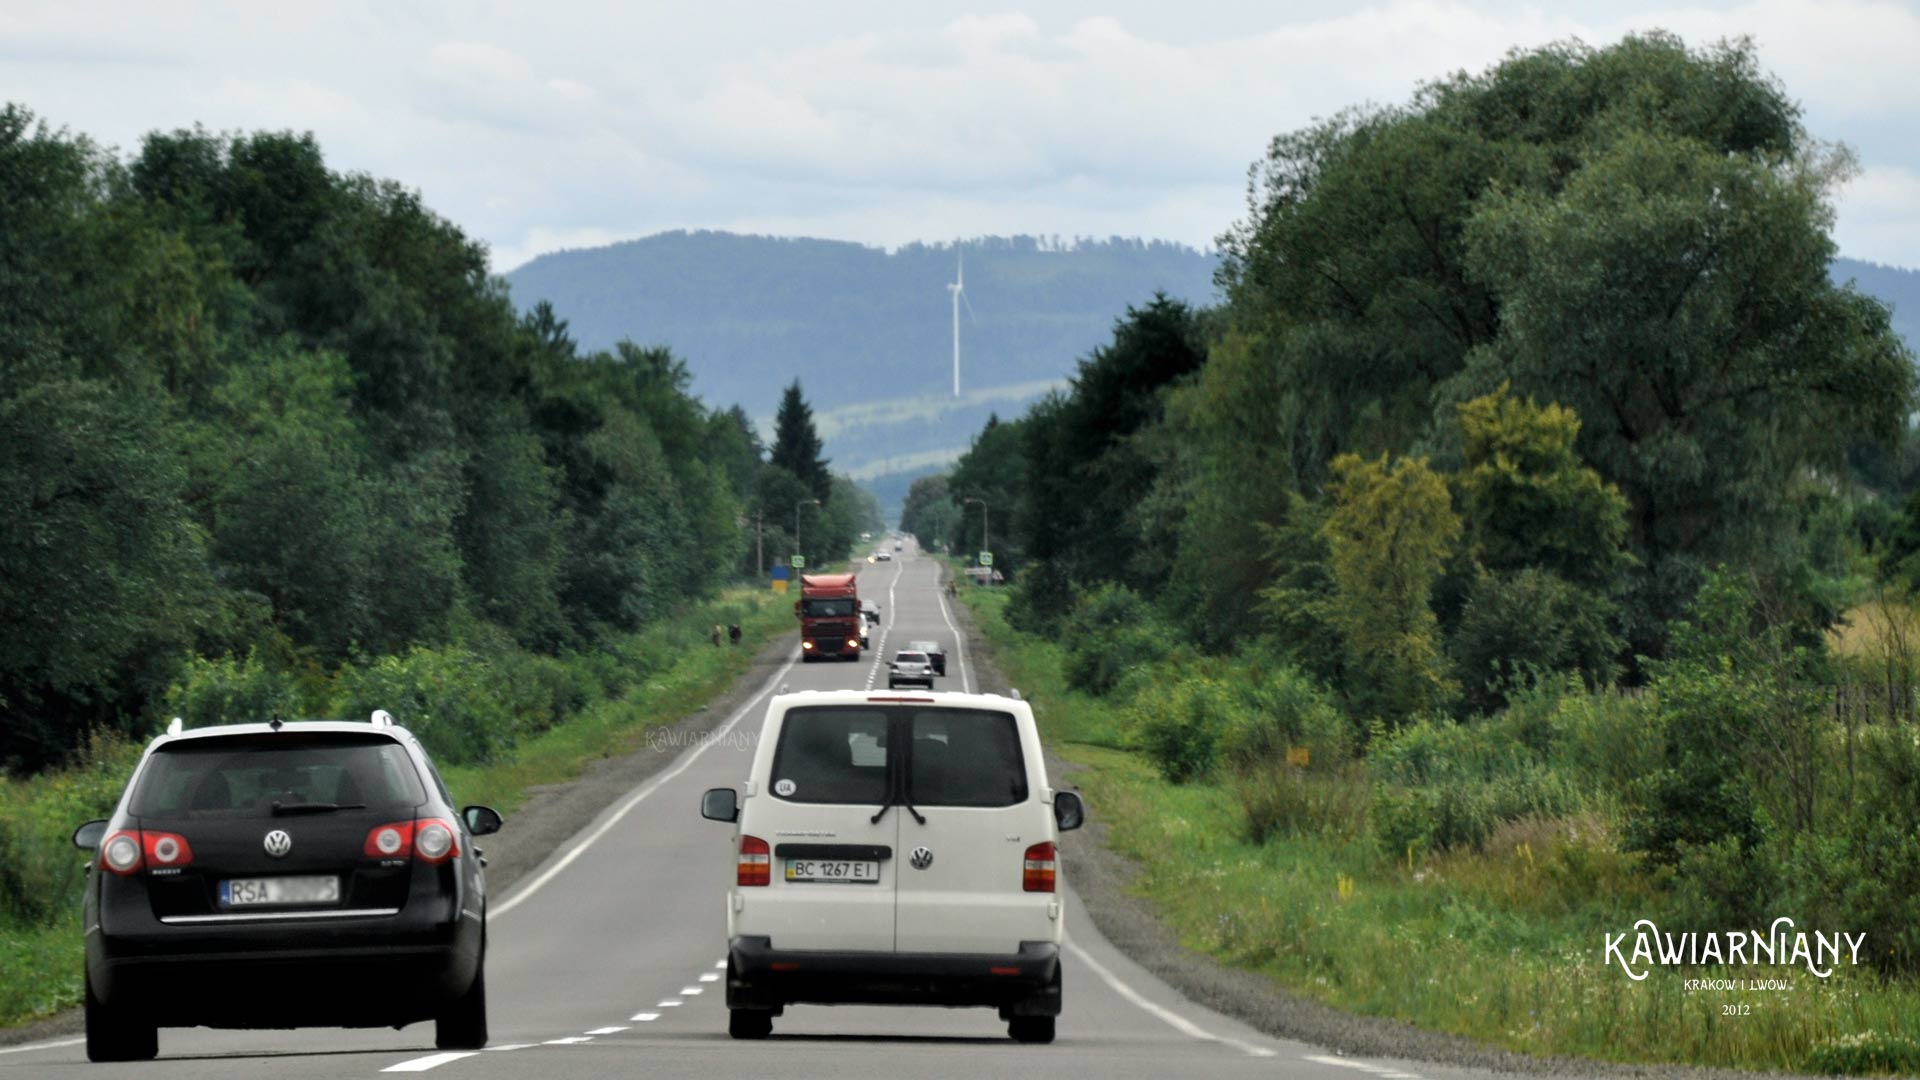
1037,871
756,862
432,840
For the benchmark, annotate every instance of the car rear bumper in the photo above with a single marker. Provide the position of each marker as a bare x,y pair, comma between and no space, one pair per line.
369,971
1025,983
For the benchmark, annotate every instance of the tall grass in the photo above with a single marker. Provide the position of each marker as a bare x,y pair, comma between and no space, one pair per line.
1495,933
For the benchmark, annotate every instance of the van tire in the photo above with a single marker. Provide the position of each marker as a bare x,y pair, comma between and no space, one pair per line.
112,1036
749,1023
1031,1029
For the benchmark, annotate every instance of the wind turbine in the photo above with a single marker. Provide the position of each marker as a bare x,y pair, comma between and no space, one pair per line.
958,287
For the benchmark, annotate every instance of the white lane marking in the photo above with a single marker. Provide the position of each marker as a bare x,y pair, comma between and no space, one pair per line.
692,991
709,977
686,761
510,1046
886,627
1174,1020
607,1031
959,646
669,1003
1386,1072
571,1040
720,965
31,1047
644,1018
431,1061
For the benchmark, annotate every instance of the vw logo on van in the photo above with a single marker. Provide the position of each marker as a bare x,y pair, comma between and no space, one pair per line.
278,843
921,858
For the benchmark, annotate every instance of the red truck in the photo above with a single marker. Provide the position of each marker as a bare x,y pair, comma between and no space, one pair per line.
829,610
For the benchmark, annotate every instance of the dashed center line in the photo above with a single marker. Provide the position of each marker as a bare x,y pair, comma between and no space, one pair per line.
670,1003
431,1061
709,977
607,1031
644,1017
571,1040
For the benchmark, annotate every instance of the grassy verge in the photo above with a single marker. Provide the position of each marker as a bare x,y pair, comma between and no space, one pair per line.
41,874
1503,945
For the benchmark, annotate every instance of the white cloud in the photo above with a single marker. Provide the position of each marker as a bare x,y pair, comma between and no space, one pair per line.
534,127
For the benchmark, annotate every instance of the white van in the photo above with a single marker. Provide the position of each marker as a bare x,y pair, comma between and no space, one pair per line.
895,849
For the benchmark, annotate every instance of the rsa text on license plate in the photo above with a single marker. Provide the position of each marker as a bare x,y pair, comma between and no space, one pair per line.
834,871
247,892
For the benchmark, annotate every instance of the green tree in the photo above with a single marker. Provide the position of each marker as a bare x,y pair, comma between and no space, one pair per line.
1389,532
929,512
796,445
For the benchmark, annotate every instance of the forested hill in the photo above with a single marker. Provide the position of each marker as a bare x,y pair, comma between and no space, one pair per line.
856,323
1891,285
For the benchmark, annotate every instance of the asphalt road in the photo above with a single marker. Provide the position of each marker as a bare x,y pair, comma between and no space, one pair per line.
606,961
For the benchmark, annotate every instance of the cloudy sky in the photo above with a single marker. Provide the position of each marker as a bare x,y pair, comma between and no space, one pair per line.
571,123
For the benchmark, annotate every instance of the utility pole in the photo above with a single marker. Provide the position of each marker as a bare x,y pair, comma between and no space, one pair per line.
986,533
759,546
797,549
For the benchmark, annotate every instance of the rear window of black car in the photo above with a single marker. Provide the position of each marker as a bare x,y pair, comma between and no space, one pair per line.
247,774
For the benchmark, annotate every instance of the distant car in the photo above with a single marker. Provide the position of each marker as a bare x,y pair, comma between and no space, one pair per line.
883,556
910,669
281,875
896,545
936,654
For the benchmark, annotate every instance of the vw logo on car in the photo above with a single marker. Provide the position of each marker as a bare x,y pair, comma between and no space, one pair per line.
278,843
921,858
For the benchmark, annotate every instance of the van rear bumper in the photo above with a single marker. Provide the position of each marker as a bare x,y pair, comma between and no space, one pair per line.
1024,983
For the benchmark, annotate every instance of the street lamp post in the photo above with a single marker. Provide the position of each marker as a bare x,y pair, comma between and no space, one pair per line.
796,522
986,531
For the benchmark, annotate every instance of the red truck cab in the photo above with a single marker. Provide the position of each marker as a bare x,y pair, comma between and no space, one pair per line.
829,610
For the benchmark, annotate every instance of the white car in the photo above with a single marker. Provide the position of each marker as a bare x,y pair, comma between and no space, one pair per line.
910,669
895,850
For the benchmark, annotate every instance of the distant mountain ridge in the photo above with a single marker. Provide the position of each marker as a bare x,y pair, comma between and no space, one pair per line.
868,332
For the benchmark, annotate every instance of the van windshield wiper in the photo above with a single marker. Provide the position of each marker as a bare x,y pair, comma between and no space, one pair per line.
280,808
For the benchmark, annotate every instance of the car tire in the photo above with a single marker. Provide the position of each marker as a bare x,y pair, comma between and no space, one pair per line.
462,1025
1031,1029
112,1036
749,1023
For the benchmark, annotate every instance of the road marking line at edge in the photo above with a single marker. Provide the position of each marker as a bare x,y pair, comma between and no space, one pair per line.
431,1061
1386,1071
959,643
571,1040
607,1031
504,1047
686,762
1174,1020
31,1047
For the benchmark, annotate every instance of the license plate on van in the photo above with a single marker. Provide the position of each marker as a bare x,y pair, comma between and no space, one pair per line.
245,892
834,871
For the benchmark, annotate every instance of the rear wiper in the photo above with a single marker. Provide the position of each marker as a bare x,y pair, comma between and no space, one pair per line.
280,808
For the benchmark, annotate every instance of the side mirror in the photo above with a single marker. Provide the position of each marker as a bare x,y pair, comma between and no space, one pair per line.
482,820
87,837
720,804
1068,811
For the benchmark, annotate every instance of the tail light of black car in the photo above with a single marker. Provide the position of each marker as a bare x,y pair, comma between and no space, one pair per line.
125,852
431,840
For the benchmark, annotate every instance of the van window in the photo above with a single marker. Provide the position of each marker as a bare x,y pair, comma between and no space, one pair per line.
966,757
829,755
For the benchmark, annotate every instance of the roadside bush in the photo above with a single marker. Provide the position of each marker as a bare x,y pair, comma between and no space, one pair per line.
1279,800
238,690
452,698
1446,786
1279,707
1111,631
1529,620
1866,1053
1607,740
40,872
1179,724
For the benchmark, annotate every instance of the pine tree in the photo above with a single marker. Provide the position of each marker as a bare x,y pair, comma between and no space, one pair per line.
796,445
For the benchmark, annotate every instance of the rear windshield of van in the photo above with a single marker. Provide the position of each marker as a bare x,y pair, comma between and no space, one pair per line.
955,757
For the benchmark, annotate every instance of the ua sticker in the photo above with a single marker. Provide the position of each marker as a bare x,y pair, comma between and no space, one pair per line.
783,787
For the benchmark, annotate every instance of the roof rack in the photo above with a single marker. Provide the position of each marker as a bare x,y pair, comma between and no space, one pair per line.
176,725
381,718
